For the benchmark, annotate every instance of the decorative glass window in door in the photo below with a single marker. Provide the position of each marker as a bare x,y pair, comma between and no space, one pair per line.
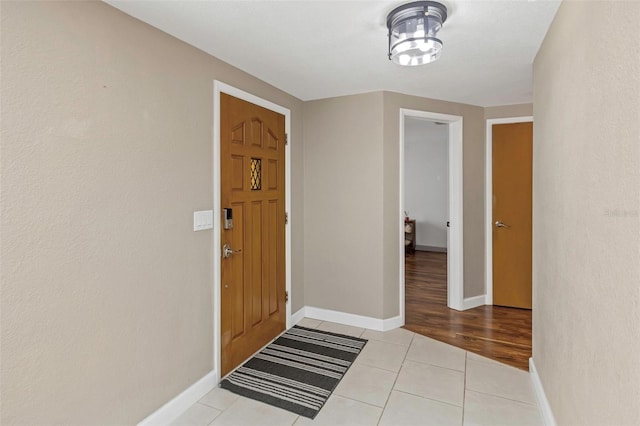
256,174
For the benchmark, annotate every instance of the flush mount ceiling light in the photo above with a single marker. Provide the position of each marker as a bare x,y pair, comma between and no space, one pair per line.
413,28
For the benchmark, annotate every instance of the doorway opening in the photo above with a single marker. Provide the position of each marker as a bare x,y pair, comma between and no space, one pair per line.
426,185
218,89
496,332
426,203
453,211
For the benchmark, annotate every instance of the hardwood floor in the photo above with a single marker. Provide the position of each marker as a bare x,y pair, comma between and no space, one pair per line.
500,333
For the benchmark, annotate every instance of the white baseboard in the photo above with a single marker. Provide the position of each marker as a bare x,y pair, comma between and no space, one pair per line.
178,405
392,323
352,319
543,402
431,248
473,302
295,318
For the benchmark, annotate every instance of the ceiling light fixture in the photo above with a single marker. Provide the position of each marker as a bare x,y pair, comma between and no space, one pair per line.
413,28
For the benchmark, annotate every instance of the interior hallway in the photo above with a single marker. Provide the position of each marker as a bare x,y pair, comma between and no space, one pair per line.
503,334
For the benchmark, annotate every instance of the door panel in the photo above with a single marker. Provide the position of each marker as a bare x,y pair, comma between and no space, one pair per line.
252,184
512,206
237,173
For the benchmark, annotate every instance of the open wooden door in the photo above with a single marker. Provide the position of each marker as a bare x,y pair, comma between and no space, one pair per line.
252,156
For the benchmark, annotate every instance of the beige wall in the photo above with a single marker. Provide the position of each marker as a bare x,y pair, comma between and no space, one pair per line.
505,111
106,152
586,229
351,193
343,252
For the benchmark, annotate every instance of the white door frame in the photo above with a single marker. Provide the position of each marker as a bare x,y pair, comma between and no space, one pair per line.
220,87
488,202
455,265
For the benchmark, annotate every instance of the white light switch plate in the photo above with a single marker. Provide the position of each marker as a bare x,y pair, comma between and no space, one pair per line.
202,220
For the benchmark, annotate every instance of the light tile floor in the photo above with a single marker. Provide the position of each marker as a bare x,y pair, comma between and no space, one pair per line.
400,378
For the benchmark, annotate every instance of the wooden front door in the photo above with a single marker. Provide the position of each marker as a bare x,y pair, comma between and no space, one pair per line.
252,155
512,207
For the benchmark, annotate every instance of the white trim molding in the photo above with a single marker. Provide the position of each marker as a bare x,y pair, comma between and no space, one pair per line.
178,405
473,302
488,202
220,87
543,403
349,319
455,263
295,318
431,248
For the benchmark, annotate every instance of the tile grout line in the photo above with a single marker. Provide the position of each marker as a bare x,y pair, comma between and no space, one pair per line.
533,404
439,366
495,363
221,411
378,367
358,401
217,415
207,405
218,408
429,399
464,389
509,368
396,379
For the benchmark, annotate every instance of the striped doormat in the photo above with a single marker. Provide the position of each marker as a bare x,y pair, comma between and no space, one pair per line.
298,371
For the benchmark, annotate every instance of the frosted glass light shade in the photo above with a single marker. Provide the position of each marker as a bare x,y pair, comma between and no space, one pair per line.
413,30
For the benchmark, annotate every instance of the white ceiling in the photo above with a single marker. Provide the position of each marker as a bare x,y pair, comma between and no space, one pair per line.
316,49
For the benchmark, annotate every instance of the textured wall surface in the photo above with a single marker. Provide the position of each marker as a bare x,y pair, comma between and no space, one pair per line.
586,218
519,110
343,199
106,152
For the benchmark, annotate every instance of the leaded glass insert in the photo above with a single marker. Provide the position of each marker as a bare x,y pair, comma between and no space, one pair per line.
256,174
